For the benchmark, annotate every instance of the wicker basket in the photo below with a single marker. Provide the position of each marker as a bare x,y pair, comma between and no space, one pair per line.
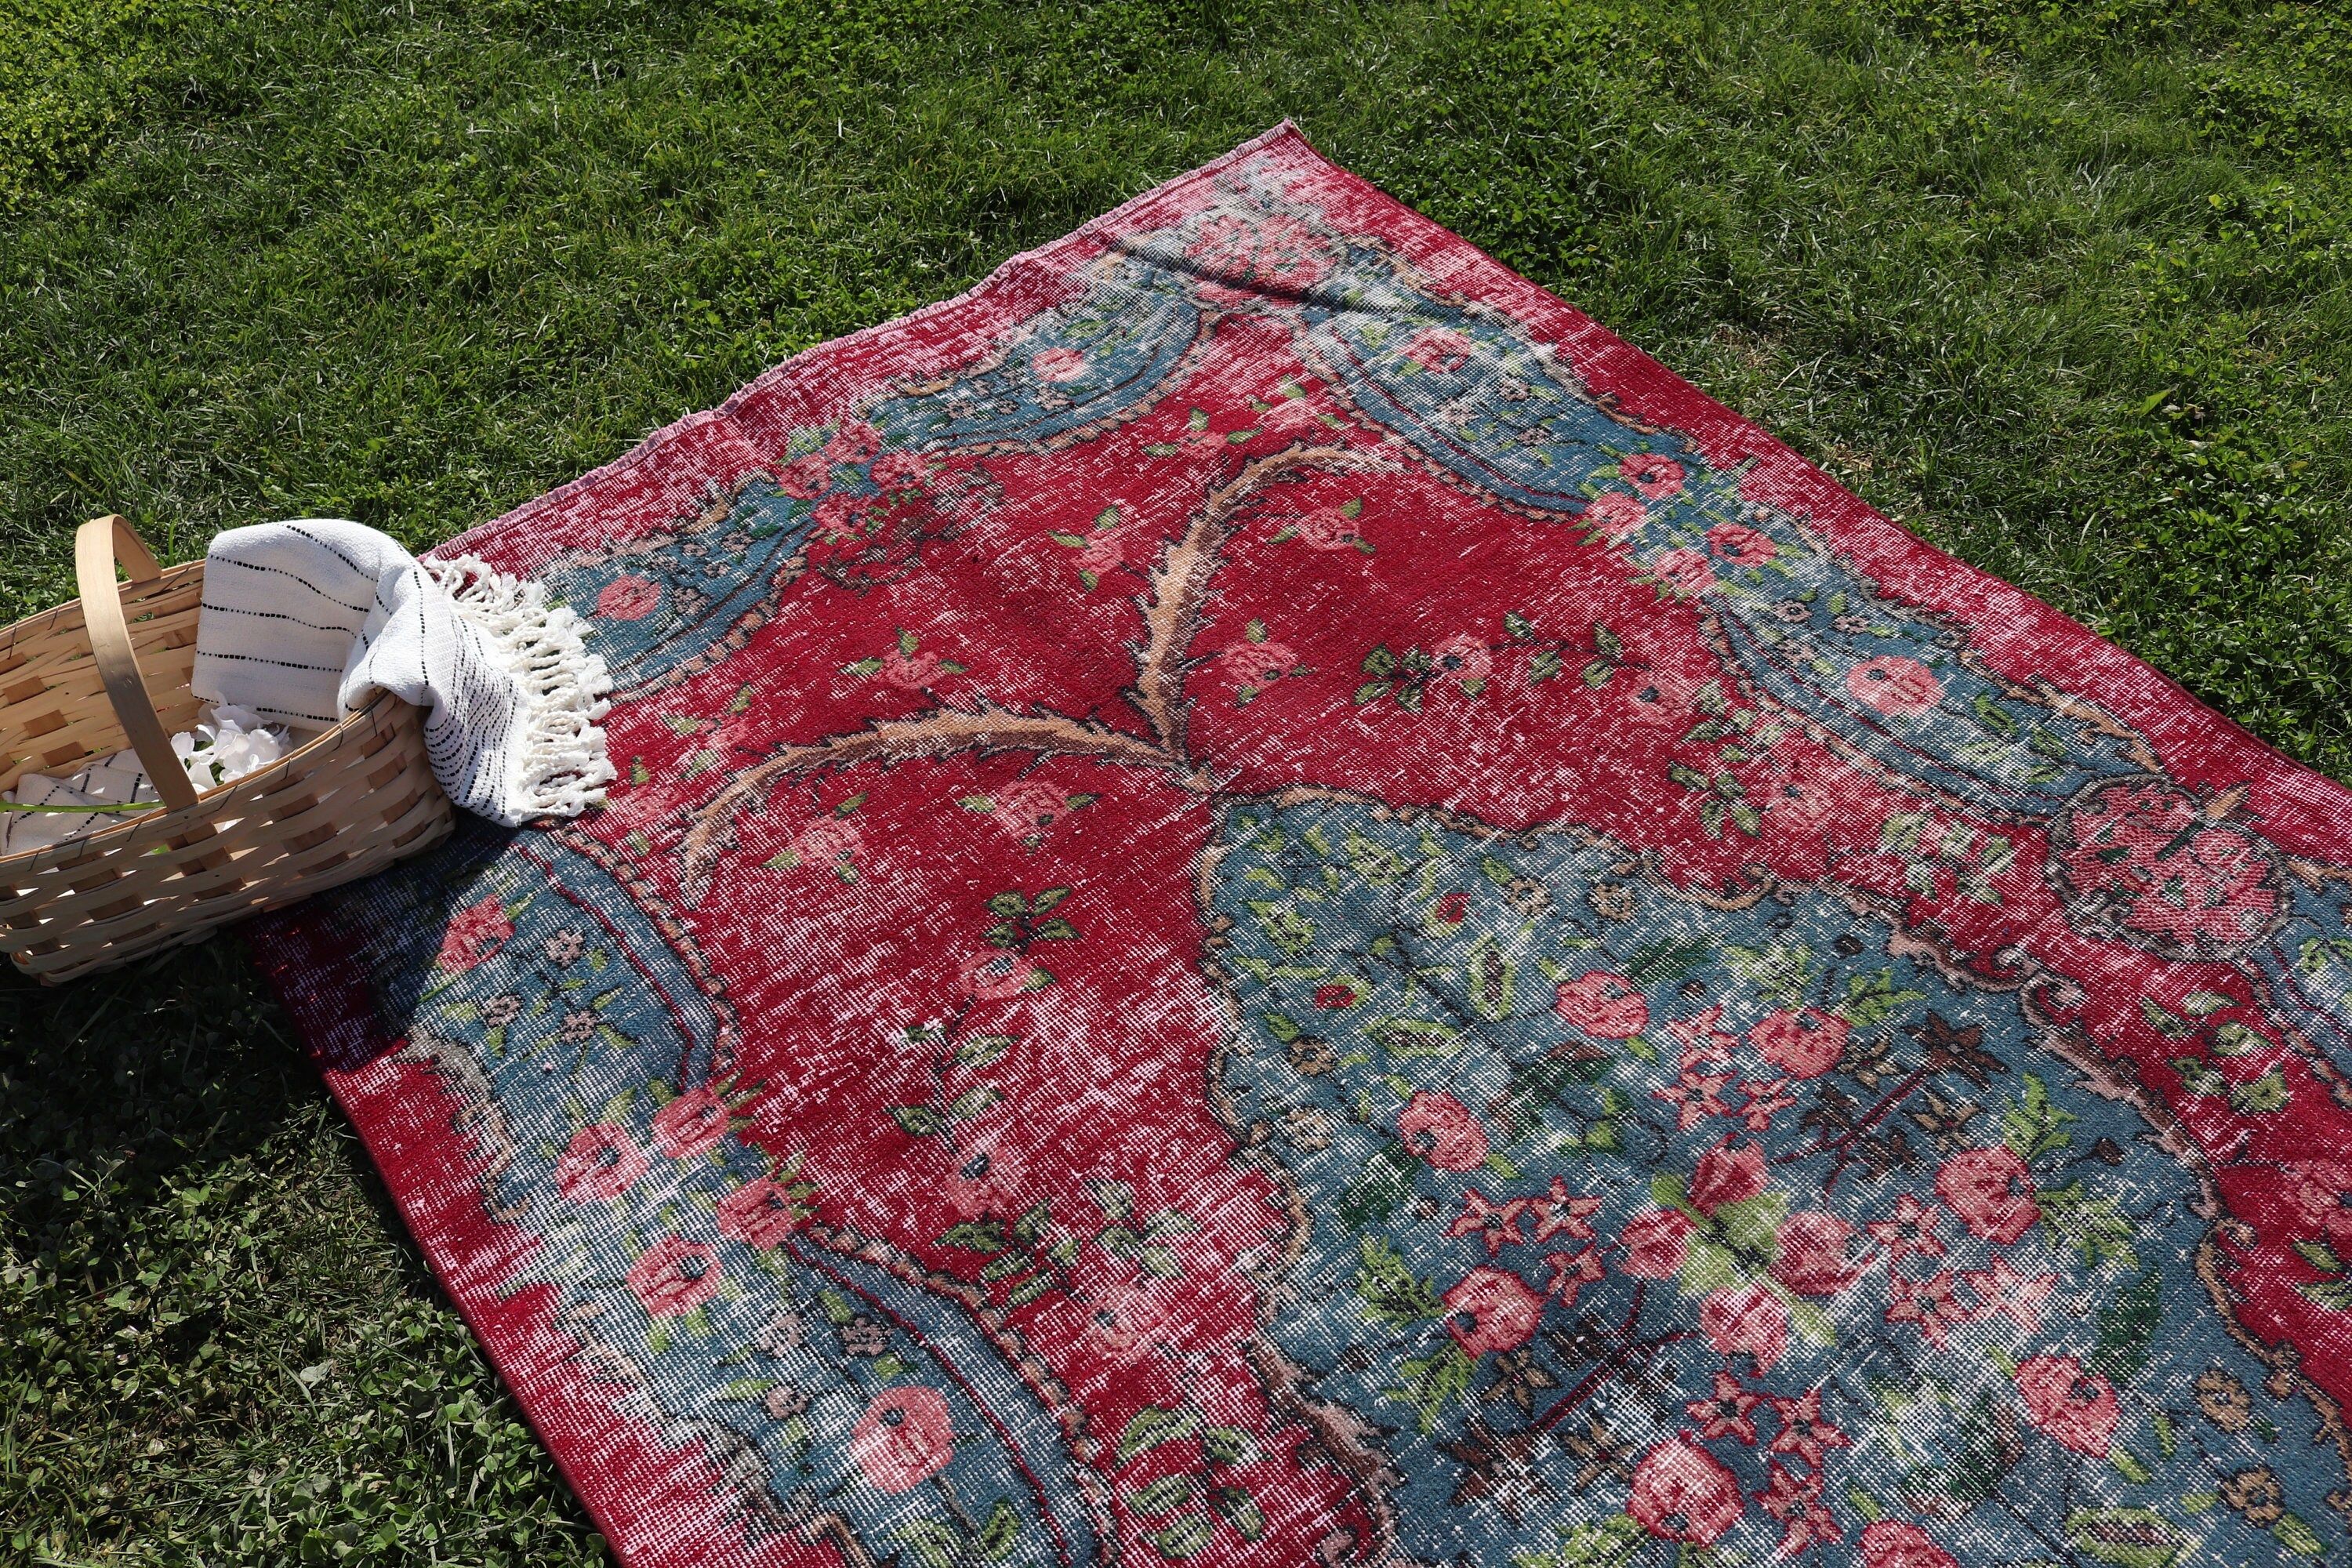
350,801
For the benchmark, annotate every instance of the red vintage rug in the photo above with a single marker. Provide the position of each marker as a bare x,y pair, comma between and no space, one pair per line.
1274,903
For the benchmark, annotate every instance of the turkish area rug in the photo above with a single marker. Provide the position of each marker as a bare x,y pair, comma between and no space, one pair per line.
1273,903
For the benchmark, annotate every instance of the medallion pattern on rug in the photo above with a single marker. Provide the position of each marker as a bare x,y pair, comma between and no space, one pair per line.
1272,903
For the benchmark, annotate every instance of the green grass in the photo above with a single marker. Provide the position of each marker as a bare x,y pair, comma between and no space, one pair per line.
2063,287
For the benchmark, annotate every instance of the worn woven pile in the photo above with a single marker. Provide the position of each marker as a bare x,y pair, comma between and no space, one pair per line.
1269,901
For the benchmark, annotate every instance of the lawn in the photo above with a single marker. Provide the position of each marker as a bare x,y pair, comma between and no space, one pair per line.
2066,287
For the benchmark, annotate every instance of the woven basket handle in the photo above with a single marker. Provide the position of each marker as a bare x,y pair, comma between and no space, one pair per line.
99,544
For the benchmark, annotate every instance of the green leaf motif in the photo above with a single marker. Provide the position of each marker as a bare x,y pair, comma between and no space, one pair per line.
2335,1294
2092,1226
1152,1425
1387,1178
1872,999
2319,1255
1390,1292
2297,1536
1781,973
1165,1495
916,1121
978,1050
1187,1537
1431,1382
1611,1544
1486,980
2264,1096
2125,1537
1228,1445
972,1101
1240,1511
999,1535
934,1541
2127,1328
2033,1127
983,1236
1656,961
1376,863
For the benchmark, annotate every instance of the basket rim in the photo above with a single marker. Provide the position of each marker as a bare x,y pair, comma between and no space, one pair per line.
41,622
260,778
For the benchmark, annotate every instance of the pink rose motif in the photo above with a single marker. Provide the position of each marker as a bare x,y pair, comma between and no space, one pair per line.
2321,1191
1741,545
2075,1407
1256,255
1811,1253
1655,1243
1991,1191
475,932
854,443
992,1179
1606,1007
1259,663
826,841
1728,1175
675,1276
630,598
1682,1492
1898,687
1803,1045
1503,1311
2146,859
1656,478
805,478
899,470
1890,1543
997,976
1130,1323
757,1214
839,517
1683,572
691,1124
1284,414
600,1162
1662,702
1463,657
1441,1129
1616,514
1103,554
1328,528
1453,909
1440,349
904,1440
1746,1319
908,671
1059,365
1026,807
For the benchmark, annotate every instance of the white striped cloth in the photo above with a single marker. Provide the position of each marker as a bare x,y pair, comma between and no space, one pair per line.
45,819
304,620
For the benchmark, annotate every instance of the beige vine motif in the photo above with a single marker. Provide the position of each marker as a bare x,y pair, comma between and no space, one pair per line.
1171,606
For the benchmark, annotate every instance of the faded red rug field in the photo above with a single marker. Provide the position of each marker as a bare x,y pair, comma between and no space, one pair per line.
1274,903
